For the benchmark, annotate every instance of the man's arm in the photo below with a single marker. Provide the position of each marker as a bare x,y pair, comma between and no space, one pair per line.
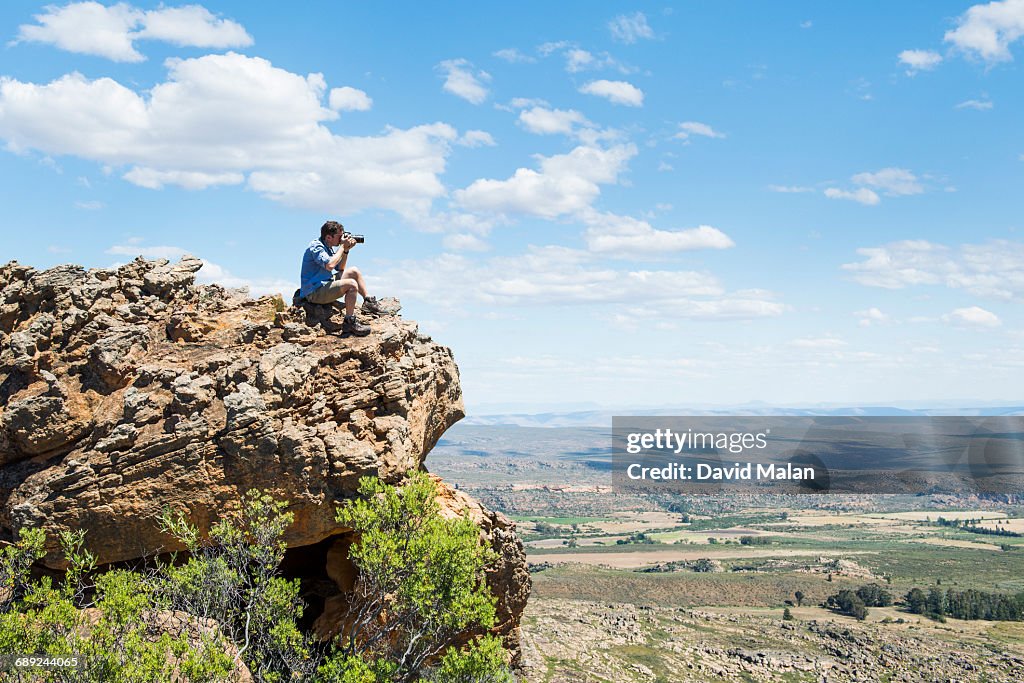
337,261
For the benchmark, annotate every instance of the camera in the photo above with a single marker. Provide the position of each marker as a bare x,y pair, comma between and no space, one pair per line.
358,238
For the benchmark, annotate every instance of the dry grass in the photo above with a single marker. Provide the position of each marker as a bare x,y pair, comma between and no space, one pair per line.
634,559
956,543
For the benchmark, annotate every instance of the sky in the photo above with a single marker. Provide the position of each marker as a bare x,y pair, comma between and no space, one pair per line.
620,204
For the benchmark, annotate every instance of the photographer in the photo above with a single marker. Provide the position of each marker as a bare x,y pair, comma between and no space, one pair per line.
325,277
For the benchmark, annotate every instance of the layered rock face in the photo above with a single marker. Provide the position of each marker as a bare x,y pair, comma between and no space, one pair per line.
124,391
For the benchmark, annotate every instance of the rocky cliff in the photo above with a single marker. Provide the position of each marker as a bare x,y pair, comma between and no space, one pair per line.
126,390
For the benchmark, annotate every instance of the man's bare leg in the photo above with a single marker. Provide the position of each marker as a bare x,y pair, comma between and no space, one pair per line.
356,276
350,300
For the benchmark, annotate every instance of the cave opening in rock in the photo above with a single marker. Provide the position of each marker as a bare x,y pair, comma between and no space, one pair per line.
325,573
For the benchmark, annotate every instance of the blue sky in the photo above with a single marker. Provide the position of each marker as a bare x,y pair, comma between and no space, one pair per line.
650,204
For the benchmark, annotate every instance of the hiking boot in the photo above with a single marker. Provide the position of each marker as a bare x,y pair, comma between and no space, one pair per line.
372,306
351,327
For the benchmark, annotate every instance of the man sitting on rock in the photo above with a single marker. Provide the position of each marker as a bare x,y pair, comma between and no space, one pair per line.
325,278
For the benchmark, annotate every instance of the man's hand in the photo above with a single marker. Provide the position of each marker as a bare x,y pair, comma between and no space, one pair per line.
337,261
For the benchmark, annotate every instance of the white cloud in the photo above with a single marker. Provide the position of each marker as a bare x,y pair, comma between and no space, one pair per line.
464,241
513,56
559,276
973,316
553,46
618,92
222,115
871,316
565,184
624,236
461,81
577,60
993,269
190,180
525,102
979,105
87,28
90,205
894,182
689,128
455,222
806,24
349,99
631,28
212,273
919,60
790,189
901,264
545,121
988,30
476,138
822,343
862,195
94,29
192,25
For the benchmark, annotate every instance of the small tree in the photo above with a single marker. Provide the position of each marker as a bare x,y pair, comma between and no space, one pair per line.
936,601
787,615
799,595
234,579
848,602
916,601
420,583
874,595
704,564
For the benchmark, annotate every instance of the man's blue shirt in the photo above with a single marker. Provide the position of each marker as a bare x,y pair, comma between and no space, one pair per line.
314,267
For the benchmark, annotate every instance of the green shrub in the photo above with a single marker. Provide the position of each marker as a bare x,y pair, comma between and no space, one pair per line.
874,595
233,579
482,662
848,602
421,577
111,639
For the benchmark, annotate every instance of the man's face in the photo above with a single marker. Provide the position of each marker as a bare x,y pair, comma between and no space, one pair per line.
333,240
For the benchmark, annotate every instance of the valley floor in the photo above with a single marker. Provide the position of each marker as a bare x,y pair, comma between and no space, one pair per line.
570,641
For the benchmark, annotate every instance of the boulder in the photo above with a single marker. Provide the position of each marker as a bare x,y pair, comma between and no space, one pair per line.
128,390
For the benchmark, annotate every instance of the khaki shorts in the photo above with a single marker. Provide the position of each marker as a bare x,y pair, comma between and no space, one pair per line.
331,291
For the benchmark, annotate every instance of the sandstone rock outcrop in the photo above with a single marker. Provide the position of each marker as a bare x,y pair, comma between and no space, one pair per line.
126,390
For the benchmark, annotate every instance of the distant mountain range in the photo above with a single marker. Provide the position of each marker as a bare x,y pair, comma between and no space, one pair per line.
603,418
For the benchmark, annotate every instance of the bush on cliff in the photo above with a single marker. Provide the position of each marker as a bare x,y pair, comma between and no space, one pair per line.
103,624
233,578
421,584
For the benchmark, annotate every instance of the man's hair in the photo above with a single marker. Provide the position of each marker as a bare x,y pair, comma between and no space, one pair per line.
331,228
